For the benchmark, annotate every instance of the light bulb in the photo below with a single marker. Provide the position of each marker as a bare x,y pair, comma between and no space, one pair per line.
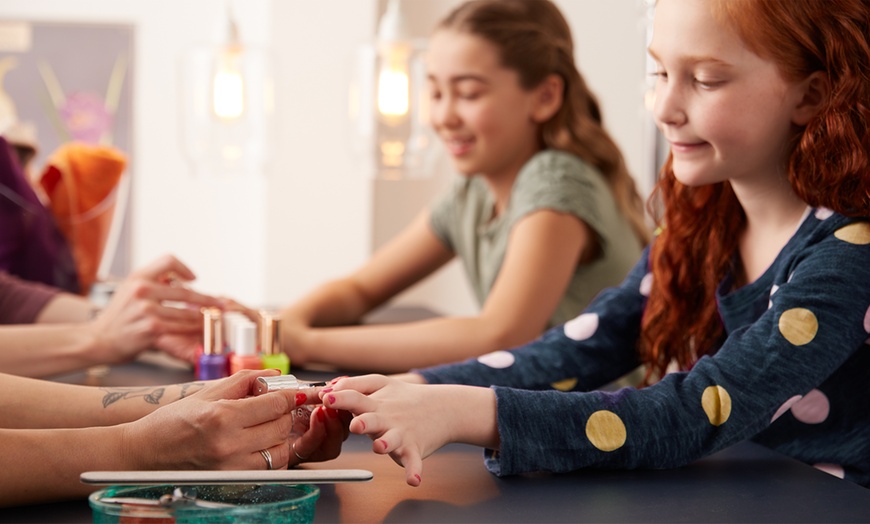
228,87
393,88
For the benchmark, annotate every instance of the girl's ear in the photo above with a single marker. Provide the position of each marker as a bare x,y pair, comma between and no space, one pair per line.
815,91
548,98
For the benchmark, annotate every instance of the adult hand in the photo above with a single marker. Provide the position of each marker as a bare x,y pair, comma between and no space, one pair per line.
322,439
152,309
406,421
318,431
220,427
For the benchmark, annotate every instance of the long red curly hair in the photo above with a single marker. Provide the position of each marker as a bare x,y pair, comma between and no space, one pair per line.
827,167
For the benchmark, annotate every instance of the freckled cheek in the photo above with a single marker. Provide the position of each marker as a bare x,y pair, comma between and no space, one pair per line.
722,128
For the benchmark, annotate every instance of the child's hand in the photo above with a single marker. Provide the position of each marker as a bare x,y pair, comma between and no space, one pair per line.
409,422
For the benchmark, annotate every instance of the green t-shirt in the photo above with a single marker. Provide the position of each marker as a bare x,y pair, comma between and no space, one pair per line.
553,180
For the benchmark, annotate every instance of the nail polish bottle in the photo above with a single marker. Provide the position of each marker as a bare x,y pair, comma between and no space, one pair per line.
270,343
212,363
231,319
245,355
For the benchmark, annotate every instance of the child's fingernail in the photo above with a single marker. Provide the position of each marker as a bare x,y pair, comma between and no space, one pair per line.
326,390
331,399
301,398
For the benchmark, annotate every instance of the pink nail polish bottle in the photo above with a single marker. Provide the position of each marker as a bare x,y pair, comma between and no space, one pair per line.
245,355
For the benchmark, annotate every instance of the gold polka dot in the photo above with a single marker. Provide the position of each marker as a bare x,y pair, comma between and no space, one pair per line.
605,430
565,385
798,325
856,233
717,404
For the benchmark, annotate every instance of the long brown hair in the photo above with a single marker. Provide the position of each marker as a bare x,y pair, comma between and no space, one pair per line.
534,40
827,167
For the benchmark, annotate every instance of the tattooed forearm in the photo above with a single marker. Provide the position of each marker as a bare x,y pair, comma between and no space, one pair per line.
190,388
151,395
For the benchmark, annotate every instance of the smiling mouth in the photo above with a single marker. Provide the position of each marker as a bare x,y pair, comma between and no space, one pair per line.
687,147
458,147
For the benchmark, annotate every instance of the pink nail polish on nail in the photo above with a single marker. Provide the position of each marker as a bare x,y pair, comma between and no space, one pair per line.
331,398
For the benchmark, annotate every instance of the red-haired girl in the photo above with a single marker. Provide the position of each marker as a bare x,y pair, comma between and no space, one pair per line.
751,309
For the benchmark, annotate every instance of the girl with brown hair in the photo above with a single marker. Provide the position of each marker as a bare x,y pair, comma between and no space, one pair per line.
544,216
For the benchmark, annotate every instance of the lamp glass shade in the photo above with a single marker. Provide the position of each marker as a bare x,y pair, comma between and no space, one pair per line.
227,105
389,110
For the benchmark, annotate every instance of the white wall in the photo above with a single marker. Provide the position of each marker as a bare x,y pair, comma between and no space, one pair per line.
267,239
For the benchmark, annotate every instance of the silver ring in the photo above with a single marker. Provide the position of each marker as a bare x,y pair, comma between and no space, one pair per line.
300,457
268,457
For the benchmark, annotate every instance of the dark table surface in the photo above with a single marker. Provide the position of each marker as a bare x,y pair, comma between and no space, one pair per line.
745,483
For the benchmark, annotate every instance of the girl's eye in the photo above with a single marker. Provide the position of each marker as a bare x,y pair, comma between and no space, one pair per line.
706,84
659,75
469,95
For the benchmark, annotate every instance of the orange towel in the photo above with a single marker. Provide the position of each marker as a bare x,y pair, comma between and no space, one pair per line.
80,182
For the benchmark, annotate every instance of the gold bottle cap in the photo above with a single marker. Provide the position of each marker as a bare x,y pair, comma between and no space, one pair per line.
212,334
270,333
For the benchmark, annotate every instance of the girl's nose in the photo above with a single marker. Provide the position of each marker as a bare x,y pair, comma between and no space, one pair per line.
668,107
443,113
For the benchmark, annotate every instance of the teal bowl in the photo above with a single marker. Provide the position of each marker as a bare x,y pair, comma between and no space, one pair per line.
205,504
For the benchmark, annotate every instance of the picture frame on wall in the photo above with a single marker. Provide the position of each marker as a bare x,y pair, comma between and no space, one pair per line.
66,94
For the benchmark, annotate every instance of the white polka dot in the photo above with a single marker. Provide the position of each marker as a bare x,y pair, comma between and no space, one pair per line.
867,320
823,213
582,327
785,407
814,408
831,469
497,359
646,284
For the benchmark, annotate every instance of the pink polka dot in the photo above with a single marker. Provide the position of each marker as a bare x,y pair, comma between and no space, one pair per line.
773,290
814,408
831,469
823,213
646,284
497,359
785,407
867,320
582,327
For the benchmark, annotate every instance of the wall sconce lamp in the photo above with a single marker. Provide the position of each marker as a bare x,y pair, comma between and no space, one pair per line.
389,104
227,104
